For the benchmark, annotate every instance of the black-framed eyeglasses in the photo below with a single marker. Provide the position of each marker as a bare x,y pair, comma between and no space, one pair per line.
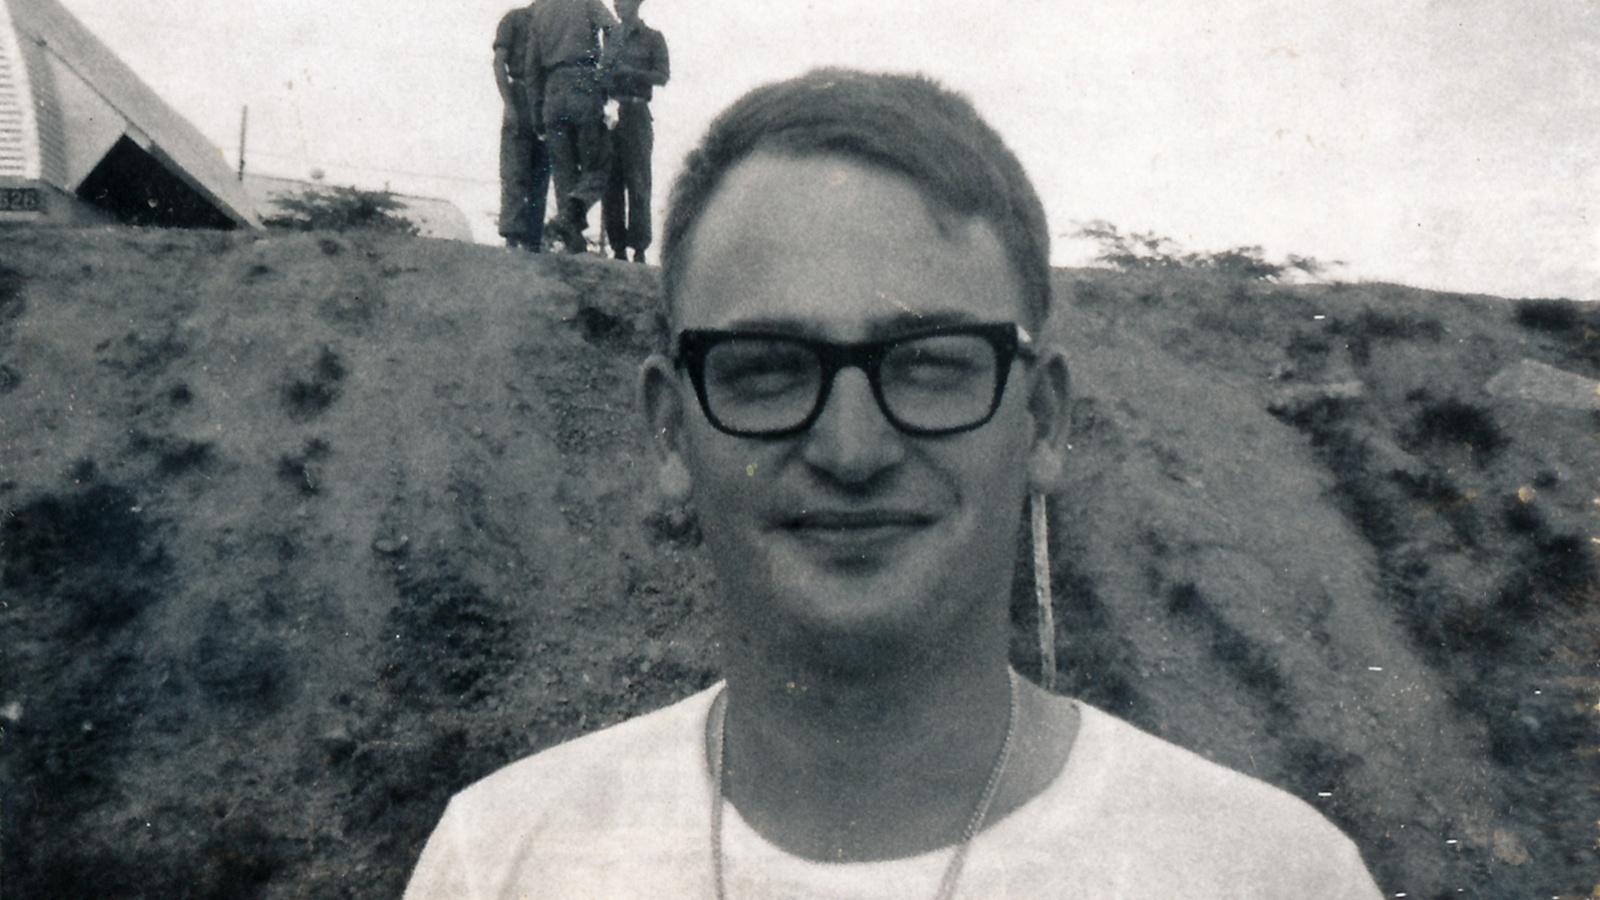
929,382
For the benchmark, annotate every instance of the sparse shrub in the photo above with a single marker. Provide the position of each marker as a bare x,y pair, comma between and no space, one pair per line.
1549,315
240,859
1238,321
600,327
57,537
341,209
1146,250
12,304
1371,326
1366,500
1453,422
185,455
250,673
452,639
1242,262
1248,662
1435,488
305,398
1520,517
302,469
1315,767
1373,323
84,471
1304,348
1526,733
1558,572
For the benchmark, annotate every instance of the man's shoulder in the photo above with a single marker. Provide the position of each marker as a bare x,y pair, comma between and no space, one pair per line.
1152,771
600,769
589,9
510,23
599,13
652,36
1149,798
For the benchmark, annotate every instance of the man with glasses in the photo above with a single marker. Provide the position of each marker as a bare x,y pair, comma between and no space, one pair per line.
858,401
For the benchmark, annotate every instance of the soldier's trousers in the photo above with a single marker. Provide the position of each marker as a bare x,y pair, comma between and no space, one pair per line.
575,137
524,182
626,209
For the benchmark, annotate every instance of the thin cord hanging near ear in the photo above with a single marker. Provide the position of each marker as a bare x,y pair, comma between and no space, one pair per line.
1038,512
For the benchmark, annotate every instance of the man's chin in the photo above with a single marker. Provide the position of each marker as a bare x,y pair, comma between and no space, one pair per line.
862,601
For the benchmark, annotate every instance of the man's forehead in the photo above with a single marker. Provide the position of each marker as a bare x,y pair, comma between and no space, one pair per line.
825,238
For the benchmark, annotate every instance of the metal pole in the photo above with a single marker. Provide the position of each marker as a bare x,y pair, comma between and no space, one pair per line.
244,125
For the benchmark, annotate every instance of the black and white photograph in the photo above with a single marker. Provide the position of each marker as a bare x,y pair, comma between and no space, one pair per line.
722,450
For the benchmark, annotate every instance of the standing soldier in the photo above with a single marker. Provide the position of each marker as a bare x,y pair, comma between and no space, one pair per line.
565,50
634,64
524,166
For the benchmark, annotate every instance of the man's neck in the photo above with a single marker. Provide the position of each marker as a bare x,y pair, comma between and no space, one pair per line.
845,765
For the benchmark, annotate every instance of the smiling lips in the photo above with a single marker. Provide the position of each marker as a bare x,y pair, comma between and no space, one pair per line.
855,528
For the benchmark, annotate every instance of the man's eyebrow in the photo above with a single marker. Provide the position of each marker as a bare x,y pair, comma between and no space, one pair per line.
886,326
779,324
910,321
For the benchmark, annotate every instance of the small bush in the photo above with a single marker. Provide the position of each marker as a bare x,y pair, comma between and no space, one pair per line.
452,639
1135,251
341,209
1521,518
1549,315
1371,326
1453,422
12,305
184,456
251,673
63,537
1246,660
305,398
302,469
1434,488
1389,326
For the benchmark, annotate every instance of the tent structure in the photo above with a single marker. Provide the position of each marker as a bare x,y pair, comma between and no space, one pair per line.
83,139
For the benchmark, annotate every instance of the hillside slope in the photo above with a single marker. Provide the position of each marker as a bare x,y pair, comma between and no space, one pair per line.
302,533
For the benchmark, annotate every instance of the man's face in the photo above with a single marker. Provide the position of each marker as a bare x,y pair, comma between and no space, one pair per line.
850,537
628,10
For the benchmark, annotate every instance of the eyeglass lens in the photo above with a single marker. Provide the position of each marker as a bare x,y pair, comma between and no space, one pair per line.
771,384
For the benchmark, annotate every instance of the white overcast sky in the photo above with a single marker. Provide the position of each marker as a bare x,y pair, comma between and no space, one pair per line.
1441,143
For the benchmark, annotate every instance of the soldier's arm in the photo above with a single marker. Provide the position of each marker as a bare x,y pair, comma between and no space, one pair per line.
502,77
660,66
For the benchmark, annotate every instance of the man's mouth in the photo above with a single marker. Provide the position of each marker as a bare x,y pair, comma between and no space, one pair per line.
854,527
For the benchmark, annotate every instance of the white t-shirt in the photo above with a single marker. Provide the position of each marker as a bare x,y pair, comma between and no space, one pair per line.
626,812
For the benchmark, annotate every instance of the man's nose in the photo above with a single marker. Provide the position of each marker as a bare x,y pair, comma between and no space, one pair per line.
852,440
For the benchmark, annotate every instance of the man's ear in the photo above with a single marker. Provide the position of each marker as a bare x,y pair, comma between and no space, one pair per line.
1049,404
661,396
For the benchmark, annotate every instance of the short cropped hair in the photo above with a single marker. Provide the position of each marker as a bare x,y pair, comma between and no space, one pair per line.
907,124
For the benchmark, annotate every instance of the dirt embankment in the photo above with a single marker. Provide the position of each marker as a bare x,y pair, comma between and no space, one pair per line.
300,534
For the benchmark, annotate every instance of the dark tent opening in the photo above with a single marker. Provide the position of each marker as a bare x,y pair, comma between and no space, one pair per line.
137,189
